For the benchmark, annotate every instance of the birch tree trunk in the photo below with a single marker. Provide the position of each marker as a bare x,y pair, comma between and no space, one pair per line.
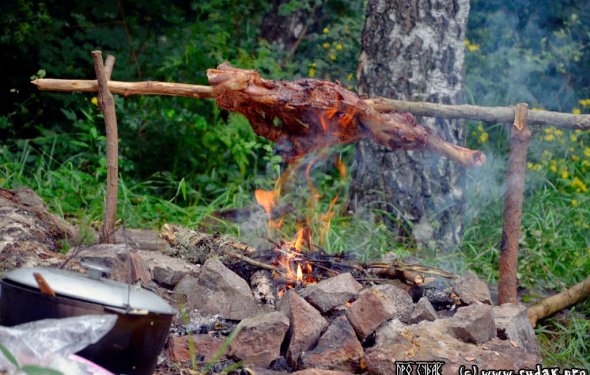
413,50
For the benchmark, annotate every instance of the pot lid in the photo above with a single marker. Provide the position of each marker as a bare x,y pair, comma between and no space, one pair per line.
97,290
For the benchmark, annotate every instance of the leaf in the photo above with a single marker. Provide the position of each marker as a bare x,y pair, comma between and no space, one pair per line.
8,355
38,370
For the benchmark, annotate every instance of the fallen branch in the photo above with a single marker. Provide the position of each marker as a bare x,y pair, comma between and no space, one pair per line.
560,301
396,267
425,109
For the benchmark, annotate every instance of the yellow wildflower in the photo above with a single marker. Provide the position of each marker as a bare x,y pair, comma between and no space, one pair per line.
326,45
473,47
576,111
587,152
311,72
575,157
564,174
326,30
483,137
584,102
549,137
579,185
533,166
573,138
94,100
349,77
332,57
558,133
574,202
339,46
553,166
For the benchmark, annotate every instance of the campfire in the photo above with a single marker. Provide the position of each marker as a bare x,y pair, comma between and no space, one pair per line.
290,306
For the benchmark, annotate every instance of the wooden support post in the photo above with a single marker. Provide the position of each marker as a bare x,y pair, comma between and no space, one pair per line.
520,136
107,105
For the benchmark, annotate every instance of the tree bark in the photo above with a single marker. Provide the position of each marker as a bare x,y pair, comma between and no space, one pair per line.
289,29
413,50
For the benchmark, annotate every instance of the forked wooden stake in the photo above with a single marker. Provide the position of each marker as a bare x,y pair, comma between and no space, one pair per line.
107,106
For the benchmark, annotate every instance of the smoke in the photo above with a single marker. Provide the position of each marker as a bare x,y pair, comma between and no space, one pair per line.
524,52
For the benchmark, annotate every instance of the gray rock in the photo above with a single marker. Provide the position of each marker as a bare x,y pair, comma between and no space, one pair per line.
387,332
338,349
307,324
377,305
423,311
512,323
471,289
474,323
218,290
259,339
116,257
432,340
167,270
332,292
141,239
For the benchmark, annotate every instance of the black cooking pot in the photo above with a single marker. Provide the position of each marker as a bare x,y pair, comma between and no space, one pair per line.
134,343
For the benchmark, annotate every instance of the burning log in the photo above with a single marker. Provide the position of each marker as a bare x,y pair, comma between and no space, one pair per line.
306,115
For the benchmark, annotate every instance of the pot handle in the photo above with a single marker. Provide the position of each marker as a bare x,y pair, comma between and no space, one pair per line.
96,271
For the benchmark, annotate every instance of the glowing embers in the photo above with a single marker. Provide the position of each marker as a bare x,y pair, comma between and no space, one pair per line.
293,268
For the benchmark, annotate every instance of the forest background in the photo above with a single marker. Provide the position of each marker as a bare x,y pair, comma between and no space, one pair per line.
185,161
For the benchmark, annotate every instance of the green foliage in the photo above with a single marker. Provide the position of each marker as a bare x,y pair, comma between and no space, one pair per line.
528,52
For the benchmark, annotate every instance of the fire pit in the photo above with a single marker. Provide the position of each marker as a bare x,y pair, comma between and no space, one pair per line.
290,309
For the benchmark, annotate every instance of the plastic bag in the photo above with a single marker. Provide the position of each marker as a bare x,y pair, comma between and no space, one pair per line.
42,342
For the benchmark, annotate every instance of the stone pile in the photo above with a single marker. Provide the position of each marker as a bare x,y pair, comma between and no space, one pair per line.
339,326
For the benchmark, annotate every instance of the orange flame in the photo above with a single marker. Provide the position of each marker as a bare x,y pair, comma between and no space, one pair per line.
341,167
299,273
267,199
326,220
298,243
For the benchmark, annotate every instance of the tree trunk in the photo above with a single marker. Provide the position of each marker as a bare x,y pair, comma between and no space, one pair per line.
413,50
286,28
